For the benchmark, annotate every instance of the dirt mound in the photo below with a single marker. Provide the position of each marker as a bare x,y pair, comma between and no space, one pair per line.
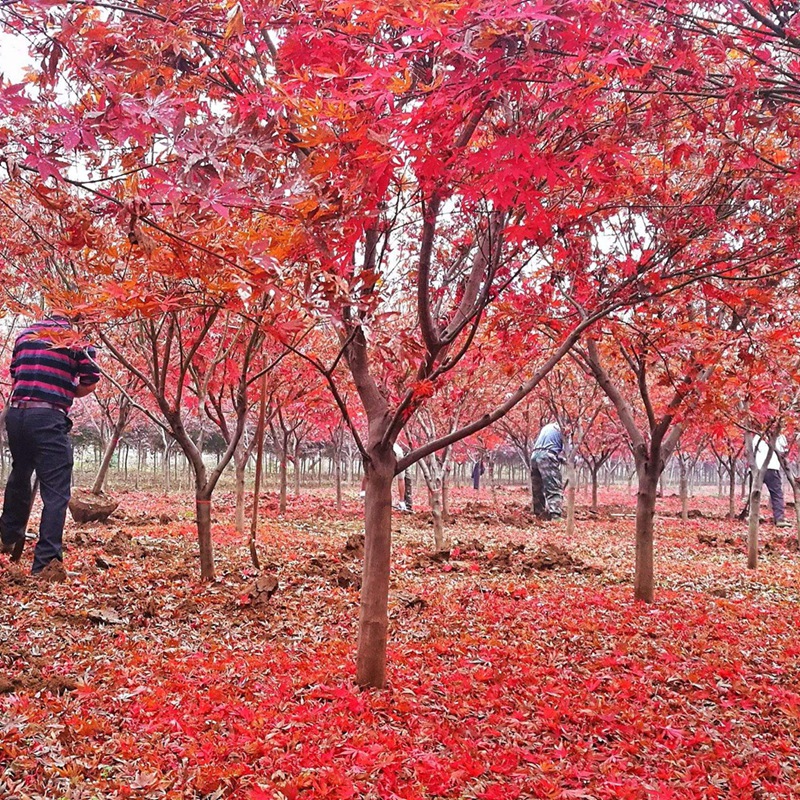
54,572
15,575
612,511
512,514
551,556
713,539
118,544
88,507
354,546
122,543
478,512
347,577
504,557
34,682
260,591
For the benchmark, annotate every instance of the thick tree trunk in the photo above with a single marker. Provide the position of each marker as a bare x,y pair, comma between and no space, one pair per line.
595,471
446,496
373,620
203,512
645,513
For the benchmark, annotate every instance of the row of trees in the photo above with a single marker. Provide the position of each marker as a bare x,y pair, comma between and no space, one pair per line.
304,424
301,449
432,205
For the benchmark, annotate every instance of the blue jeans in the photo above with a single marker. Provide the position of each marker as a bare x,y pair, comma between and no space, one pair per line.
39,442
774,483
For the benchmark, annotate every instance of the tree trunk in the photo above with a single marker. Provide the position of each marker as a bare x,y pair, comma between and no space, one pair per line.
241,469
97,488
752,524
260,430
645,513
683,489
530,488
435,496
337,477
203,512
446,496
165,465
572,487
433,475
373,619
283,467
732,490
595,474
297,468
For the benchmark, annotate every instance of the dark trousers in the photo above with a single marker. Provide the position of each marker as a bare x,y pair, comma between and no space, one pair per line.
772,479
39,442
547,485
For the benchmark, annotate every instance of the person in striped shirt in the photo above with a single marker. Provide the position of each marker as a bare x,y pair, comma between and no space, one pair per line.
49,370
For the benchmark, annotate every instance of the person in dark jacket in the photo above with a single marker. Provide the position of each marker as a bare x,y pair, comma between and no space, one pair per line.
547,483
49,370
477,470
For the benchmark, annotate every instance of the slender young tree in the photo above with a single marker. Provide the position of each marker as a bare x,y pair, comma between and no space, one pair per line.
175,357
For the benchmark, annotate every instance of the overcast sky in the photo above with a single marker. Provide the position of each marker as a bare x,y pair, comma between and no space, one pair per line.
13,56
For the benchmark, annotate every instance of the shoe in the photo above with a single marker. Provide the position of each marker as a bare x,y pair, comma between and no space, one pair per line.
783,523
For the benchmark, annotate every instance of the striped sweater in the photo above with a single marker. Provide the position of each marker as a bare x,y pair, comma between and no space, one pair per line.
44,371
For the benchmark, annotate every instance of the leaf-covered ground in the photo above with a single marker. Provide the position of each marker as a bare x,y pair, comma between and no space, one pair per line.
520,667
